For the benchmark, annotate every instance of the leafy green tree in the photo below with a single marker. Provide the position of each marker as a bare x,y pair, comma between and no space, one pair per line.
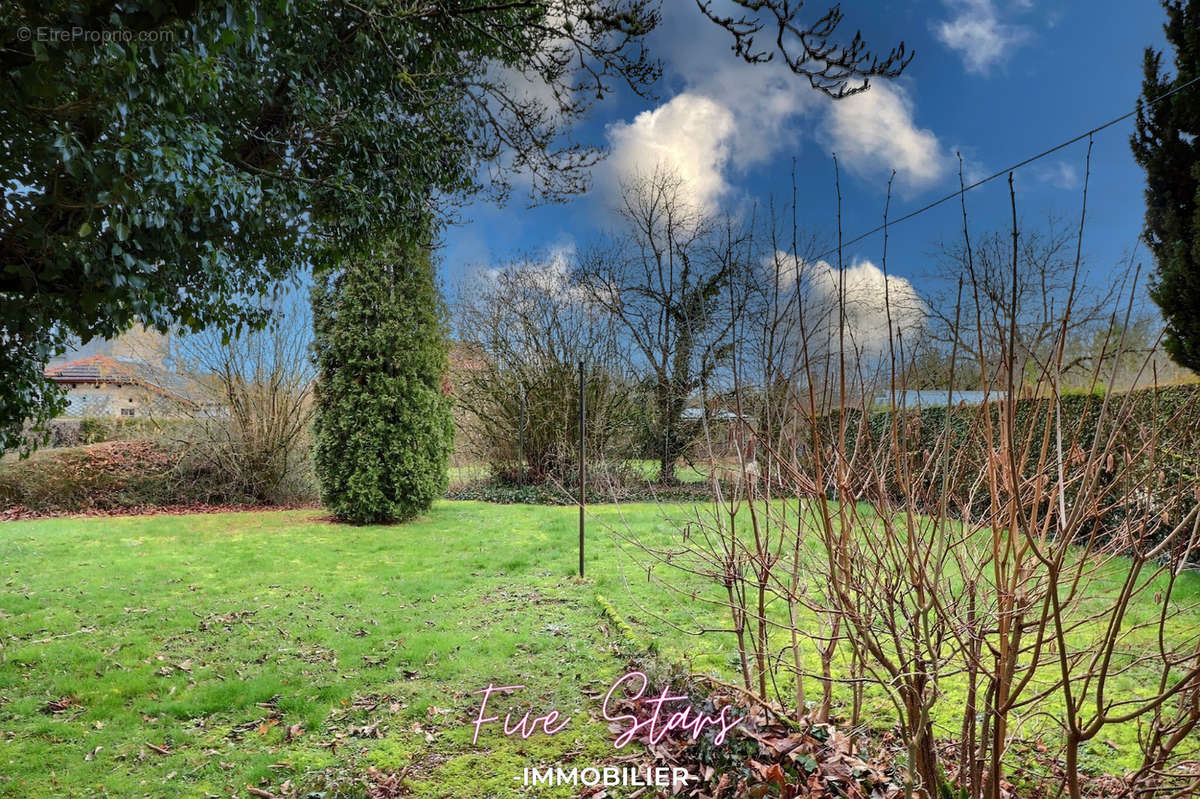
1167,145
188,163
383,425
169,162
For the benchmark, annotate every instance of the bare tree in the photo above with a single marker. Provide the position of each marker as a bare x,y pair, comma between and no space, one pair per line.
1033,299
808,49
661,279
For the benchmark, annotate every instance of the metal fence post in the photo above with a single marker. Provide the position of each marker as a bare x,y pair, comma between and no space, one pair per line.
582,460
521,441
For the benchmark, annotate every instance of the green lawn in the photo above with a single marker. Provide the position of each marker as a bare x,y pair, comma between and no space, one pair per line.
197,655
209,636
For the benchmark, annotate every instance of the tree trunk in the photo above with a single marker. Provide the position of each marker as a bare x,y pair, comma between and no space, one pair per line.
666,469
920,730
1072,770
927,765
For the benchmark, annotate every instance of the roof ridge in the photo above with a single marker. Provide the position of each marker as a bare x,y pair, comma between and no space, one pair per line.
114,371
101,359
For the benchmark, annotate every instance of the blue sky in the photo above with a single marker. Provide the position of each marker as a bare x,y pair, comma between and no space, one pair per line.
997,80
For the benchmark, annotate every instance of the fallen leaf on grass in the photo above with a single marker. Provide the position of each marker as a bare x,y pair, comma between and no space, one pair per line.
384,784
365,731
791,761
61,705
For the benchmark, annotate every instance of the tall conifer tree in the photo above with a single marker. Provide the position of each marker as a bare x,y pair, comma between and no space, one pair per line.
383,425
1167,145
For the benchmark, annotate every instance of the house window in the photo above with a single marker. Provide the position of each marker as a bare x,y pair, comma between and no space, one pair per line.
127,411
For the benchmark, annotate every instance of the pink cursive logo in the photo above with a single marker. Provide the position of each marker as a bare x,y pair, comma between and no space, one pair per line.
525,725
661,719
654,727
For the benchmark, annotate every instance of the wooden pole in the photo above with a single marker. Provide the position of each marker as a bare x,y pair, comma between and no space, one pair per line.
582,460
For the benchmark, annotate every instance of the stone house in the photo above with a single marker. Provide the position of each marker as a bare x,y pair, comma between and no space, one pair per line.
101,386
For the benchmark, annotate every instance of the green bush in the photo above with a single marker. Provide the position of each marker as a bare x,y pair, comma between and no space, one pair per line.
383,426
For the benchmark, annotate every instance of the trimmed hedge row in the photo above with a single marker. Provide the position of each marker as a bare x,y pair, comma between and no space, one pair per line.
1155,433
94,430
502,493
112,475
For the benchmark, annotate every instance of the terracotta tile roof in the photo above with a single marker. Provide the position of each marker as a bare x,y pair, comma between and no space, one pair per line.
103,369
96,369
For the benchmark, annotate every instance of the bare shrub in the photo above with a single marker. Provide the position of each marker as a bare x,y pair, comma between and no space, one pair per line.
250,429
529,326
1022,558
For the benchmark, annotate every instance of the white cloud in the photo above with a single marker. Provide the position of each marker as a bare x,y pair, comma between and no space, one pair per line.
730,115
1058,174
871,300
868,297
874,132
548,275
738,119
978,34
691,135
763,98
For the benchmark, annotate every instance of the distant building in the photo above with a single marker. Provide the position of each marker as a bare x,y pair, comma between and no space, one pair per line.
126,377
937,398
716,415
465,361
101,386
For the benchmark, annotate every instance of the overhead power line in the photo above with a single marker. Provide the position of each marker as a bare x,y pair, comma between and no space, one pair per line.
955,194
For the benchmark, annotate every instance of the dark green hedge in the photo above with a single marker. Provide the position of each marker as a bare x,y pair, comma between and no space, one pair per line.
1156,435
